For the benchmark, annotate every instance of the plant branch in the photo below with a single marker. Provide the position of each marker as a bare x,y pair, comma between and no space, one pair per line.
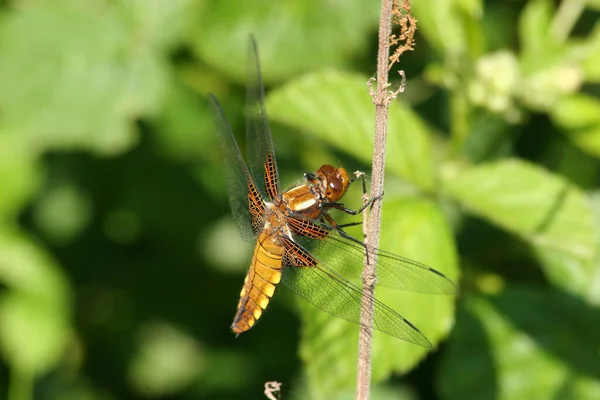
371,225
398,13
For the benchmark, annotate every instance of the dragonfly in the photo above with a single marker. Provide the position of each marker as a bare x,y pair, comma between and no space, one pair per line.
297,241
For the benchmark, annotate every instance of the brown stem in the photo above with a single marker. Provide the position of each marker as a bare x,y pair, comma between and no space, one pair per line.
381,102
272,388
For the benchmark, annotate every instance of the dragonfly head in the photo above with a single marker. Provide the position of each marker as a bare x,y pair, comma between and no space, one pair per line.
334,181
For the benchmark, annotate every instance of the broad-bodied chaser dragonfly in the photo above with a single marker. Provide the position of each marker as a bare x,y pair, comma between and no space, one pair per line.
280,223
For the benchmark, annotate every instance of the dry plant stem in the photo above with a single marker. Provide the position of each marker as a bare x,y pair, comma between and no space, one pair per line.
381,102
272,388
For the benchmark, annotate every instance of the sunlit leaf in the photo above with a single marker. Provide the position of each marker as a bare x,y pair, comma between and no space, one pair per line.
19,175
471,7
577,111
579,276
161,23
549,67
412,228
579,114
593,4
542,88
416,229
77,76
591,63
534,26
540,207
292,36
327,342
593,292
337,108
446,26
34,313
498,342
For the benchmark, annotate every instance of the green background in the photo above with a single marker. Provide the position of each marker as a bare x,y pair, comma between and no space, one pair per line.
120,266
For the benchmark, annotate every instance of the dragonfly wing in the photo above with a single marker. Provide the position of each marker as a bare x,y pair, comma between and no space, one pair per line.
246,204
345,255
313,280
260,150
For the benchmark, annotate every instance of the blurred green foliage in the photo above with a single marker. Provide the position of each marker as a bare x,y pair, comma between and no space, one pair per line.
120,266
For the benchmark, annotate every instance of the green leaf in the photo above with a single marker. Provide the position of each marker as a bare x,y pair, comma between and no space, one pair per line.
449,25
77,76
412,228
593,295
471,7
292,36
161,24
34,311
534,26
591,62
331,343
593,4
417,229
580,115
19,175
580,277
498,342
550,68
577,111
337,108
542,208
33,335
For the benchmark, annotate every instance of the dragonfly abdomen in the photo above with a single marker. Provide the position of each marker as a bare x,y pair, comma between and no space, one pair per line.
260,283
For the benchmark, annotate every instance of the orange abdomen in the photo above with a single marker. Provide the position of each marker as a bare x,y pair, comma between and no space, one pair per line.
260,283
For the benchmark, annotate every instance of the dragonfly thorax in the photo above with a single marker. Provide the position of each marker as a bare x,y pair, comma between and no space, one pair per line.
276,220
301,200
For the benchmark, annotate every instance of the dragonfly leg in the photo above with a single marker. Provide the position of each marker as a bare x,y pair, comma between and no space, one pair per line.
339,206
333,225
349,224
330,224
362,176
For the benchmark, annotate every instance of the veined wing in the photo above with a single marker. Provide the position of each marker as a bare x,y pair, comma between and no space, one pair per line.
345,256
312,279
260,150
247,206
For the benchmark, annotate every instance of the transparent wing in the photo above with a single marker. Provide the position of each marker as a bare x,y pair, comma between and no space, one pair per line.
345,254
244,199
260,150
310,278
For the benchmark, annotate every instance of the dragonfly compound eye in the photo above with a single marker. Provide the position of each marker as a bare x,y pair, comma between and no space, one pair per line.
327,169
343,176
334,188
